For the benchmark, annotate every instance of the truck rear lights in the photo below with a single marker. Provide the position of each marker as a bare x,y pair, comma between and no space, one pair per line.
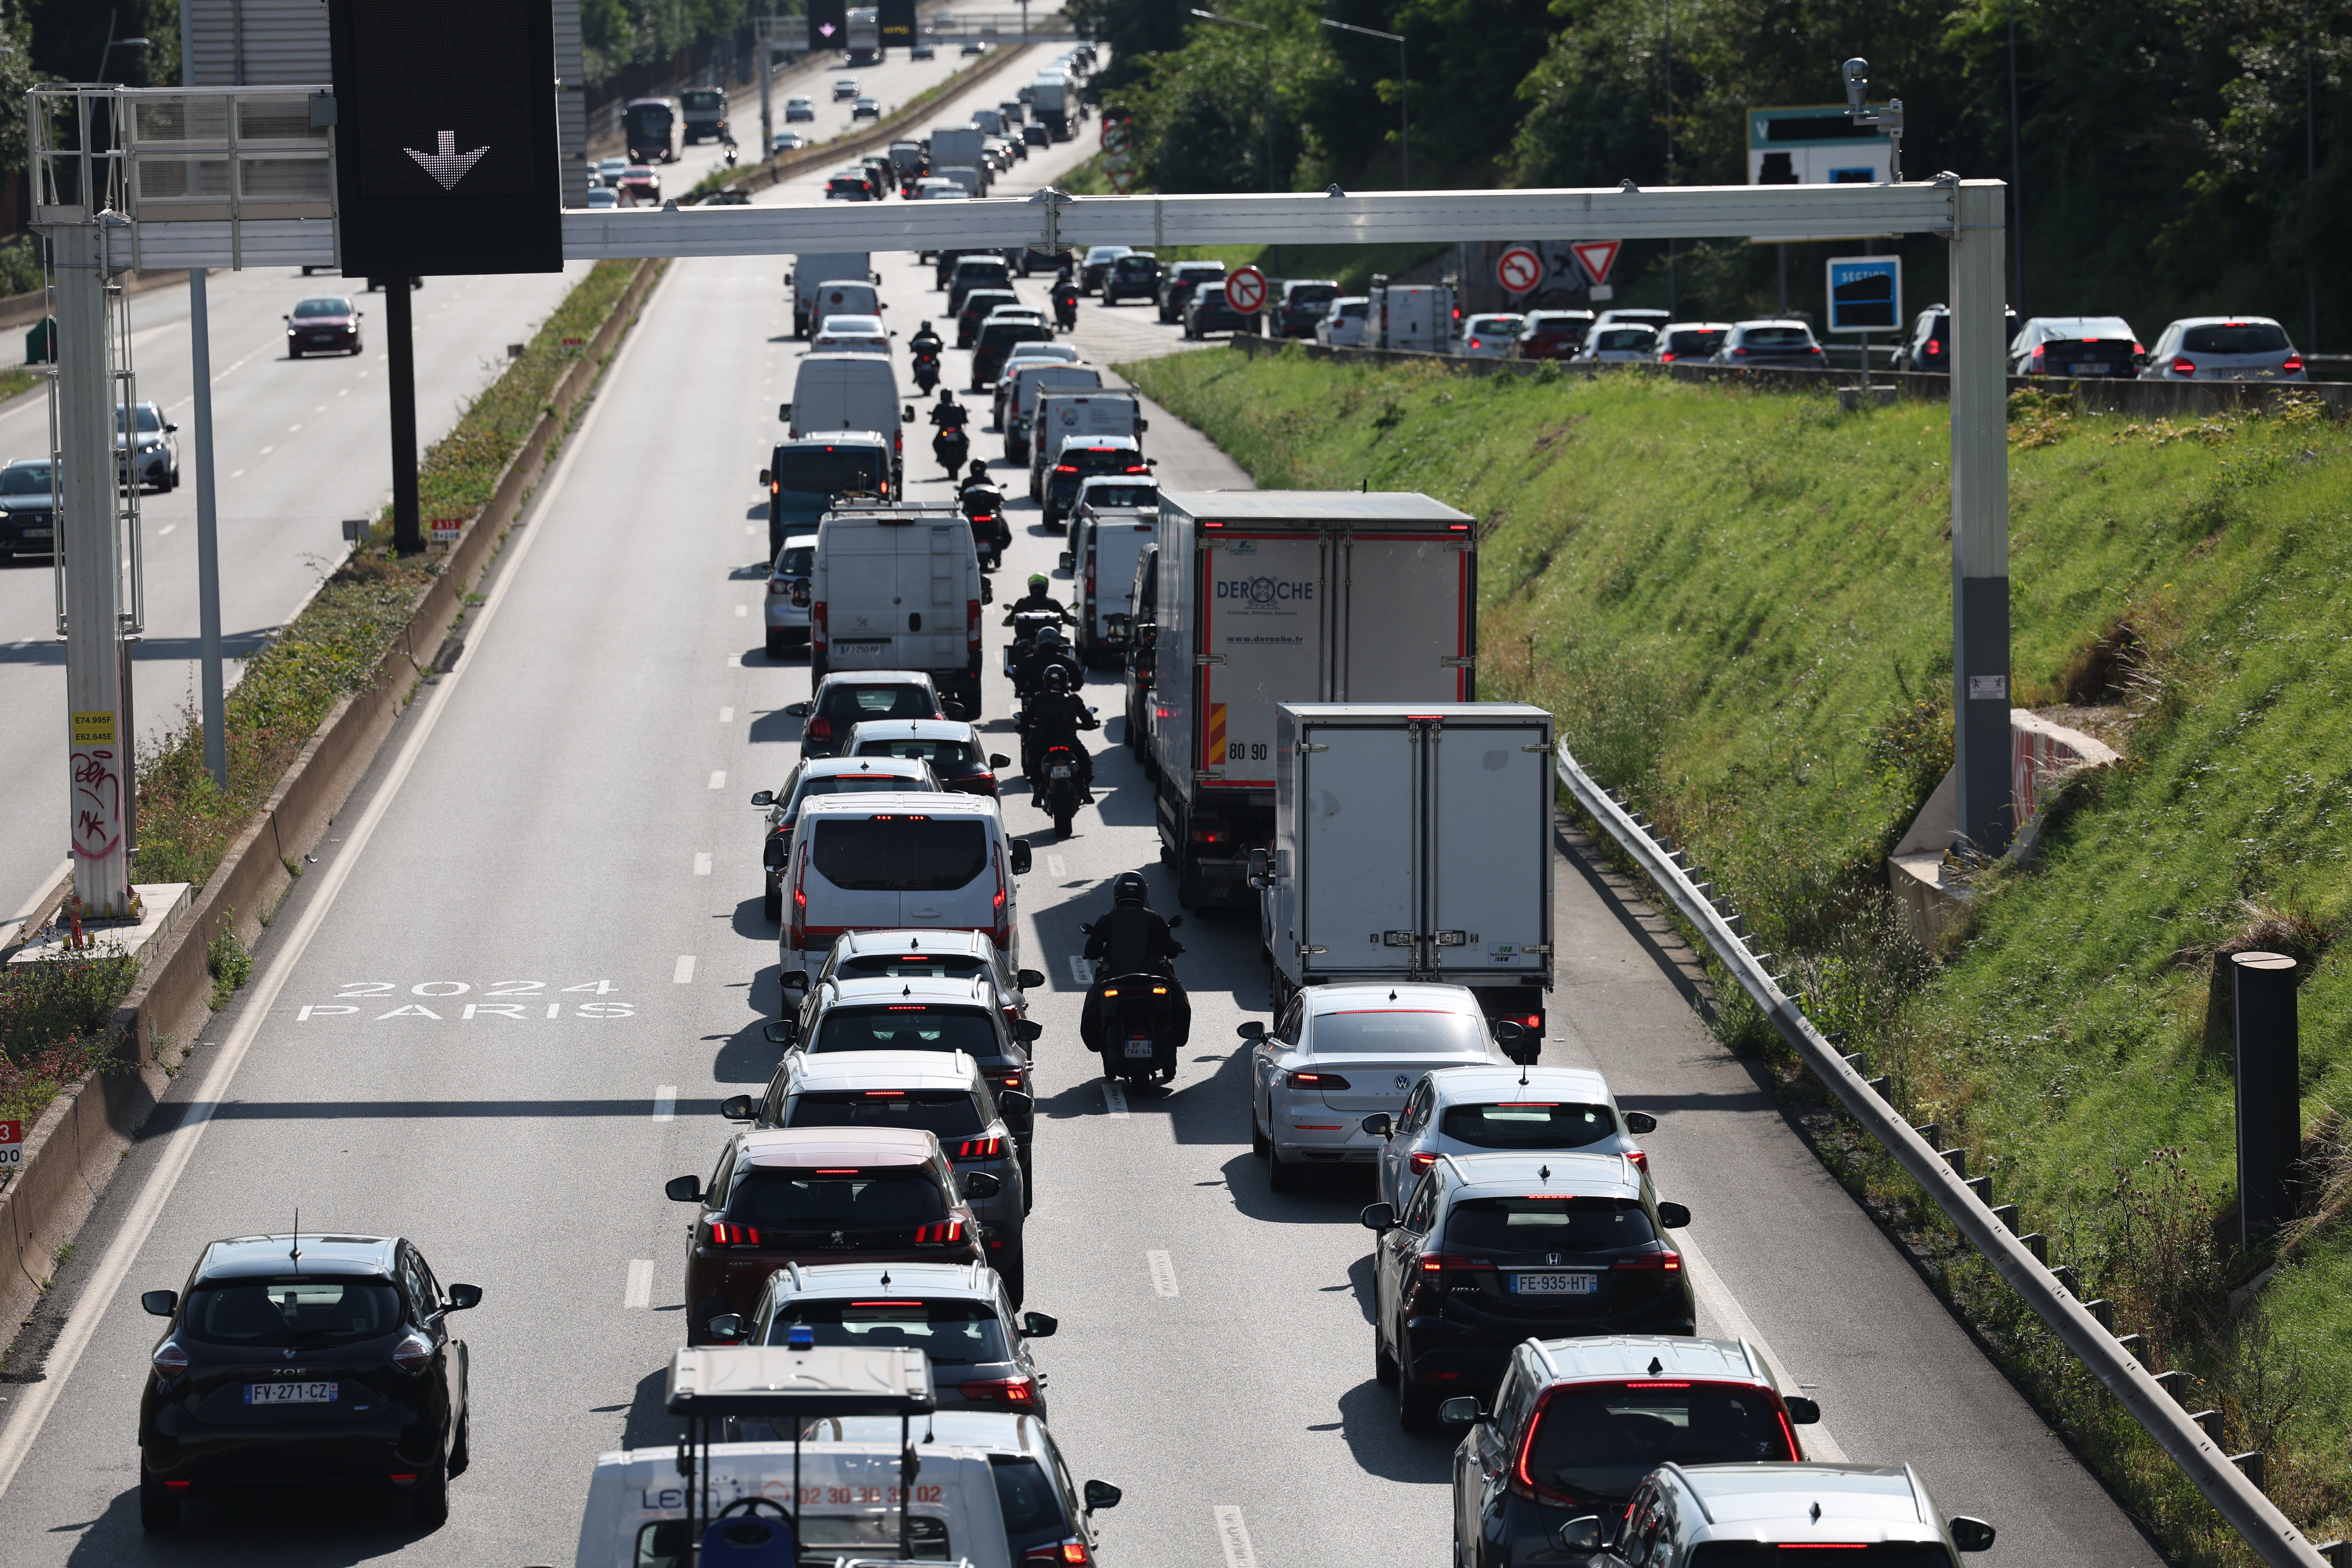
940,1234
1008,1392
981,1149
725,1235
1211,835
1323,1080
1651,1263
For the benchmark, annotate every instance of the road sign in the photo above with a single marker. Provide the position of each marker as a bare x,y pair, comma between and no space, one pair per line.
12,1147
1245,290
1597,256
446,530
1518,270
1117,151
1866,293
448,159
827,20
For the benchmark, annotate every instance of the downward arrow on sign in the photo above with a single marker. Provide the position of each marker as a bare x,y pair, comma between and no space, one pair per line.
448,165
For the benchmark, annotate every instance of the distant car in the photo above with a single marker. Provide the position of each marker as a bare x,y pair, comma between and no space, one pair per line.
866,109
822,776
329,323
787,142
610,170
641,185
1177,283
28,510
1206,311
1479,1110
850,335
849,186
1081,458
842,701
1552,335
1296,310
1343,326
973,47
2075,346
922,52
787,608
1629,345
944,952
1691,340
845,89
934,189
1632,316
147,445
1097,263
1135,276
2223,348
1490,336
1003,330
976,306
1927,344
856,1010
600,200
1770,344
277,1341
1037,136
798,109
953,748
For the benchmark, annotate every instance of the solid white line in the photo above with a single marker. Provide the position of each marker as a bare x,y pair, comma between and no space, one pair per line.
684,973
1163,1273
1732,1320
718,779
640,1293
1235,1535
1115,1100
665,1102
31,1410
701,864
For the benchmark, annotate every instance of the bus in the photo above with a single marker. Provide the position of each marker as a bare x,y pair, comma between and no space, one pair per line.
650,127
863,36
705,114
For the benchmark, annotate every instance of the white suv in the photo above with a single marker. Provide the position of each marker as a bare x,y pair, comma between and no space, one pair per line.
1484,1110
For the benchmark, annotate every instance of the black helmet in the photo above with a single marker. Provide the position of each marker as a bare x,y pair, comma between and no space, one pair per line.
1057,677
1130,889
980,467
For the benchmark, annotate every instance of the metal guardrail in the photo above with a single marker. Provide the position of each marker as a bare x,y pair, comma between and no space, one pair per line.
2271,1535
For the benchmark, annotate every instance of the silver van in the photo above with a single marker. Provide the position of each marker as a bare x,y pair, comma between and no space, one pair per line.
873,862
897,588
850,392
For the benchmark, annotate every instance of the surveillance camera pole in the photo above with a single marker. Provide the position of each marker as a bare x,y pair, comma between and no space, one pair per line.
1889,118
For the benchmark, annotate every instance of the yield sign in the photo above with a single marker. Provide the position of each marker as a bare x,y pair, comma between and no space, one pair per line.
1245,290
1596,257
1518,270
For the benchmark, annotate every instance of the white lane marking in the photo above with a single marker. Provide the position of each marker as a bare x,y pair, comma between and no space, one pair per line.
719,778
726,715
1082,971
31,1409
166,529
292,428
1235,1535
683,974
267,451
741,611
1732,1320
701,863
1163,1273
751,531
238,475
640,1293
665,1102
734,661
1115,1099
1053,867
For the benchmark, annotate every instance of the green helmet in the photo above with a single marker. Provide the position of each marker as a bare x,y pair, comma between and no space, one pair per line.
1036,579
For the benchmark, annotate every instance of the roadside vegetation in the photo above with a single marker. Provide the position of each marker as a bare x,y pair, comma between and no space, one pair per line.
53,1026
1738,604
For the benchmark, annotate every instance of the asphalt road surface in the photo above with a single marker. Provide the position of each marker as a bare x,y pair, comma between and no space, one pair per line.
562,821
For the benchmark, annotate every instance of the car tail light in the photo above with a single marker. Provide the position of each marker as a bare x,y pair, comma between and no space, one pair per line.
817,625
779,588
1666,359
1421,1162
725,1235
1066,467
1739,351
1651,1263
798,936
2292,364
821,727
1439,1262
2037,355
170,1359
1070,1550
413,1354
1933,347
1322,1081
1641,1159
1006,1080
2138,350
981,1149
1012,1393
971,626
938,1234
1210,836
2184,367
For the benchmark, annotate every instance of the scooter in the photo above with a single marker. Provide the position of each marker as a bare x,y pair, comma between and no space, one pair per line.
951,448
927,369
1066,306
1060,767
984,505
1137,1025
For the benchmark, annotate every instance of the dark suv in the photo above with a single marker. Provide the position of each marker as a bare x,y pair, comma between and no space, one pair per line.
311,1359
29,512
1304,302
1493,1249
1135,276
1576,1424
986,270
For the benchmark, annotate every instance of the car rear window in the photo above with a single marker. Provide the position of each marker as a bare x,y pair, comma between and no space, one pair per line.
1777,338
1527,1124
1646,1423
945,756
999,334
901,853
1099,459
852,783
902,1027
2235,338
291,1314
1398,1032
854,701
848,183
1354,311
796,560
886,1198
1536,1222
831,470
1626,338
949,1112
1684,344
1196,270
1787,1554
1122,495
982,273
938,965
1314,294
958,1333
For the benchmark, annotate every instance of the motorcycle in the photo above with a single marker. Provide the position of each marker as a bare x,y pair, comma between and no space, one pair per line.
983,506
1137,1024
1060,767
951,447
927,369
1026,623
1066,306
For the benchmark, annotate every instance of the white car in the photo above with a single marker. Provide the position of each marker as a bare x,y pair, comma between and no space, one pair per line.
609,170
599,197
798,109
788,594
1339,1053
1628,345
1484,1111
1490,336
850,335
845,89
932,188
1342,326
2223,348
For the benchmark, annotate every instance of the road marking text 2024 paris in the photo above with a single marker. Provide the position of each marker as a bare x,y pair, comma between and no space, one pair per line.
501,999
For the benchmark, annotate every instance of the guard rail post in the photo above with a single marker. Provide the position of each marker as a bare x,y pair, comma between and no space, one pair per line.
2270,1095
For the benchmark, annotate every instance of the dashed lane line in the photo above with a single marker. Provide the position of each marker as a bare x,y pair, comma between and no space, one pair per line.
640,1292
683,974
1163,1272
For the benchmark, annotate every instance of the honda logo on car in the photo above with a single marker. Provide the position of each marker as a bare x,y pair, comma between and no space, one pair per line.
1265,590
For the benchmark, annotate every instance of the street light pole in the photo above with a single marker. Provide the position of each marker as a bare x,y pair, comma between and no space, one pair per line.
1404,92
113,43
1268,33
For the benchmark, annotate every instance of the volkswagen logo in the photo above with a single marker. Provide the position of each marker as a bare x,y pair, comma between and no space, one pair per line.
1403,1081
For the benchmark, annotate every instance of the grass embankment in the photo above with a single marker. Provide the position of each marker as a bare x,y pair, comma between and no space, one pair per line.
1737,602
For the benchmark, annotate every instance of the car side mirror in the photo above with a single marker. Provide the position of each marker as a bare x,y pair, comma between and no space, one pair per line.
907,415
1021,860
1380,1216
1173,921
999,760
781,1031
1026,1030
979,1185
739,1108
955,710
727,1326
794,980
169,426
1507,1034
1101,1494
767,477
1380,1125
785,412
1016,1105
1151,462
765,797
1461,1411
1802,1412
1064,560
1039,1325
285,318
1641,1121
159,1303
1582,1535
465,1297
1971,1534
796,710
1260,868
1252,1030
1024,978
683,1189
1143,425
1673,1216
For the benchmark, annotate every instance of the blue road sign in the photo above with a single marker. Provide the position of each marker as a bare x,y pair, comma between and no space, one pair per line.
1866,293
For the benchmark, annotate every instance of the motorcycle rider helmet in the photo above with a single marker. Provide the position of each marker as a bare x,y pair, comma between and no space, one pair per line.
1130,889
1057,677
947,397
1037,581
1049,637
980,467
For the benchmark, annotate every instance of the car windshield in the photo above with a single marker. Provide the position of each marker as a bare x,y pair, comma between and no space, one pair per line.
901,854
1539,1223
1777,338
1626,338
322,308
1583,1429
886,1198
666,1542
908,1027
1694,342
1122,495
853,702
794,560
949,1112
2235,338
957,1333
25,479
831,470
1527,1124
1379,1032
945,756
147,418
286,1313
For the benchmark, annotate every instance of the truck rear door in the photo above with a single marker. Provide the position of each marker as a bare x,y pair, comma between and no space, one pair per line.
1358,838
1262,637
861,582
931,598
1487,819
1407,624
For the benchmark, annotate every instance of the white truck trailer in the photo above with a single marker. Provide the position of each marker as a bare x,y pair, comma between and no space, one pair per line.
1419,317
1272,597
812,270
1412,842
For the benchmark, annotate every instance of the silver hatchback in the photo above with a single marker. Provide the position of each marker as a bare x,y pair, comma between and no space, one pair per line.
1489,1110
2223,348
1760,1513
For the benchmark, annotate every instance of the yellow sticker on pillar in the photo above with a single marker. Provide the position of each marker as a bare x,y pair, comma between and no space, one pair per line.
1213,752
98,784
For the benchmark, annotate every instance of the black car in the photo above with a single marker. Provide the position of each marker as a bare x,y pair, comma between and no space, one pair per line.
994,345
329,323
982,271
1176,285
1927,344
977,306
1135,276
1081,459
317,1360
1206,311
1304,302
28,511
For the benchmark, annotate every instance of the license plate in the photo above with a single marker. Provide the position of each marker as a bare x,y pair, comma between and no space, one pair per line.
39,533
862,652
1555,1284
290,1393
1059,770
1139,1047
2094,367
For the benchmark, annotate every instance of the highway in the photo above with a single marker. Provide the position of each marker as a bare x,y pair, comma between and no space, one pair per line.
562,820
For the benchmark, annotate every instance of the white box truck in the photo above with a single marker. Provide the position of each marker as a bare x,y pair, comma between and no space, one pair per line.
1418,316
811,271
1272,597
1412,842
897,588
959,147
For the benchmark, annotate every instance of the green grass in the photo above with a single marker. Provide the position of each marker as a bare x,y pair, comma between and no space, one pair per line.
53,1026
17,380
1739,604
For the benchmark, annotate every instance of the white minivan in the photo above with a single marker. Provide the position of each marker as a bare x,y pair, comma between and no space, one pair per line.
1106,542
897,588
850,392
898,862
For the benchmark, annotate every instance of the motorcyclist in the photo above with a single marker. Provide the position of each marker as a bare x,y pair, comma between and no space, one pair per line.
926,342
1036,598
1048,653
950,417
947,413
1053,717
1066,297
1133,939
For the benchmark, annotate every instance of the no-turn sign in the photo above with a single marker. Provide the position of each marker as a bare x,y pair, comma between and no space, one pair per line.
1245,290
1518,270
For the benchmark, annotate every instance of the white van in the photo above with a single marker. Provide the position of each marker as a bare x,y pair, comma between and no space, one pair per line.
1030,382
1061,416
850,392
1108,543
636,1515
814,271
1416,317
897,588
895,862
